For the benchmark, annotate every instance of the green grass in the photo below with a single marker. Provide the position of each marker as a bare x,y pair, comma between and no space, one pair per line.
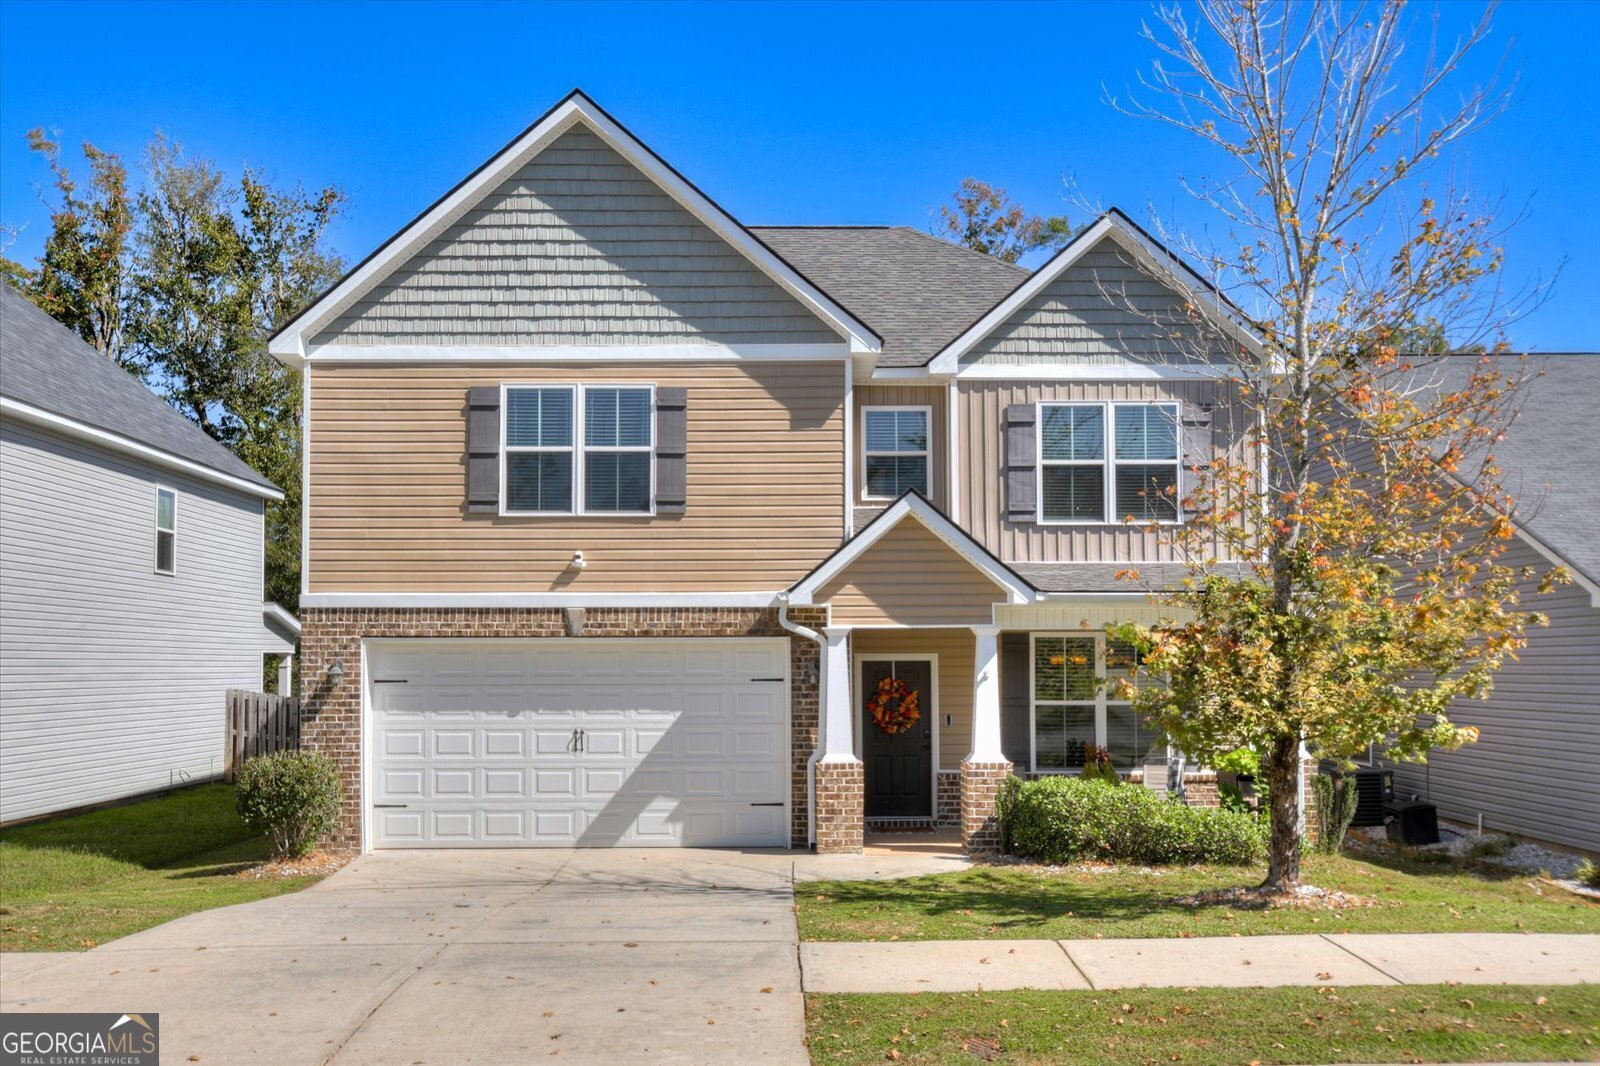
1029,902
72,883
1421,1023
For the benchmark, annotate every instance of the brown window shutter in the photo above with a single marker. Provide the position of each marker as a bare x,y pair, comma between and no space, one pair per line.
483,448
1195,443
672,450
1022,455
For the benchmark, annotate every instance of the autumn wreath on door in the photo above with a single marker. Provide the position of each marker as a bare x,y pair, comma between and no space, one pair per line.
894,706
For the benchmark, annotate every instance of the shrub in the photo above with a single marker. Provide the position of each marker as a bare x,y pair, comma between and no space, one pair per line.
1097,766
290,796
1060,819
1588,873
1336,809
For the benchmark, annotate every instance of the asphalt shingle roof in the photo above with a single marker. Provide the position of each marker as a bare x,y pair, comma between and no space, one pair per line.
46,365
1550,458
915,290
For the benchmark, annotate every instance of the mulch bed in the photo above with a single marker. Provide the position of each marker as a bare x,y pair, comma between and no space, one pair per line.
315,864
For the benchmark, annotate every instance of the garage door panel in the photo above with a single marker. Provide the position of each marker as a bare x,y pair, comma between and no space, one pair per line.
680,738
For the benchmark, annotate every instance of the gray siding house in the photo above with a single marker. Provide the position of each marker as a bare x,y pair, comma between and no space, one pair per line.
1536,769
131,567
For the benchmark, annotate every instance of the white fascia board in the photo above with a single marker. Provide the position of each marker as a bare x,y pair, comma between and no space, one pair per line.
1121,371
287,344
1017,591
596,353
948,361
279,614
116,442
538,599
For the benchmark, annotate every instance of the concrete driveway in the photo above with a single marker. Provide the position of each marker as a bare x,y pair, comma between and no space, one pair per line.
467,957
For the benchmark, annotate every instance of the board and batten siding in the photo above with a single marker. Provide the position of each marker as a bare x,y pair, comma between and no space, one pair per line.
577,247
388,485
955,649
1535,770
1103,309
932,396
113,677
910,577
981,423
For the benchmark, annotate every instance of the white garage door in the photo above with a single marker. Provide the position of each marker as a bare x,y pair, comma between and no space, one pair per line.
589,742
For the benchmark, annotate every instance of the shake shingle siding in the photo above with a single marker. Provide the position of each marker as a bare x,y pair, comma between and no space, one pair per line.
1104,309
578,247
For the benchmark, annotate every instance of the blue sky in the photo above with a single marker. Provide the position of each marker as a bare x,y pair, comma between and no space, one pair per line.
813,113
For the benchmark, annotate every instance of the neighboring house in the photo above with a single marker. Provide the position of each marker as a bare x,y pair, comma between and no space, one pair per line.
619,512
131,561
1535,771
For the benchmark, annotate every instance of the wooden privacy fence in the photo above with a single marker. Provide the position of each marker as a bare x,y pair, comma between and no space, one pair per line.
260,723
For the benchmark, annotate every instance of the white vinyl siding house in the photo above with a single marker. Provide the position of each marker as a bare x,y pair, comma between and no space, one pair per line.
130,581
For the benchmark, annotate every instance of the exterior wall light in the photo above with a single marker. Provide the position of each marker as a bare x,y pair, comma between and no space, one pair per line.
336,673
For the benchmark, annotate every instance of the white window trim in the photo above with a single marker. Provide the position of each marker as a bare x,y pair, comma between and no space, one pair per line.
1107,461
926,453
577,448
1101,698
156,541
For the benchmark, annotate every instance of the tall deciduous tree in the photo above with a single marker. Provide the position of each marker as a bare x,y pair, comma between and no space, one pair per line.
182,283
985,219
1375,592
81,278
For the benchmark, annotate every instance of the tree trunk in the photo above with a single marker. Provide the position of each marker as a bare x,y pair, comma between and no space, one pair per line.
1283,793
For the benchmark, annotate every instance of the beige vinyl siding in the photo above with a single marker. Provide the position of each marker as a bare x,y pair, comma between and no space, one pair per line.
388,485
1103,309
933,396
981,425
955,649
577,247
910,577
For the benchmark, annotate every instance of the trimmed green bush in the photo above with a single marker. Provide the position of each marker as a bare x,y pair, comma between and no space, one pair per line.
1061,819
290,796
1588,874
1336,809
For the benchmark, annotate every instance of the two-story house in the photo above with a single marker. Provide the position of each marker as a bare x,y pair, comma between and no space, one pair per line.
629,524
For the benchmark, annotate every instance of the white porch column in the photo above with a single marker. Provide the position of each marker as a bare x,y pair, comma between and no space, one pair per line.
986,697
286,676
838,731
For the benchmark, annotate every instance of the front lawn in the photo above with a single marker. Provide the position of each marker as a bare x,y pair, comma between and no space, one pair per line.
1420,1023
72,883
1032,902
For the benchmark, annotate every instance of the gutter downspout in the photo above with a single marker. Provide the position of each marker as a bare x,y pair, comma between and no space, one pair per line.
822,687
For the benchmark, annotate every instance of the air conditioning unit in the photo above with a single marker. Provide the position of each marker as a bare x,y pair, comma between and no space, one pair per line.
1374,789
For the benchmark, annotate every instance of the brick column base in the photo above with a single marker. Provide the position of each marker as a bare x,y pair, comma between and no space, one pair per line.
980,781
841,807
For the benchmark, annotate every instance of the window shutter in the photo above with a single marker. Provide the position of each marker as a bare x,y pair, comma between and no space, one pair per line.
672,450
1022,456
483,448
1194,443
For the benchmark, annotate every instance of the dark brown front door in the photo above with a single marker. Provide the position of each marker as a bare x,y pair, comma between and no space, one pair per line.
899,765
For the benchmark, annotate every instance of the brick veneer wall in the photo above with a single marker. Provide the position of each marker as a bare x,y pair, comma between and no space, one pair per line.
980,782
947,803
331,717
841,807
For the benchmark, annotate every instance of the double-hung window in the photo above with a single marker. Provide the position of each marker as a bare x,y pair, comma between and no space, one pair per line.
1083,480
1075,707
166,531
578,449
894,451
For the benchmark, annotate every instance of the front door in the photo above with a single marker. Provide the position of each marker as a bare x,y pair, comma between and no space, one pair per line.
899,765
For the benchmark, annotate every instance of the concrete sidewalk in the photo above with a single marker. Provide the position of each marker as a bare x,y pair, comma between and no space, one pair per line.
1212,962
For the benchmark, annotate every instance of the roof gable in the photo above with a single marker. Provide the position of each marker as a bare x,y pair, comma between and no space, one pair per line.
908,525
1112,295
528,226
50,376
